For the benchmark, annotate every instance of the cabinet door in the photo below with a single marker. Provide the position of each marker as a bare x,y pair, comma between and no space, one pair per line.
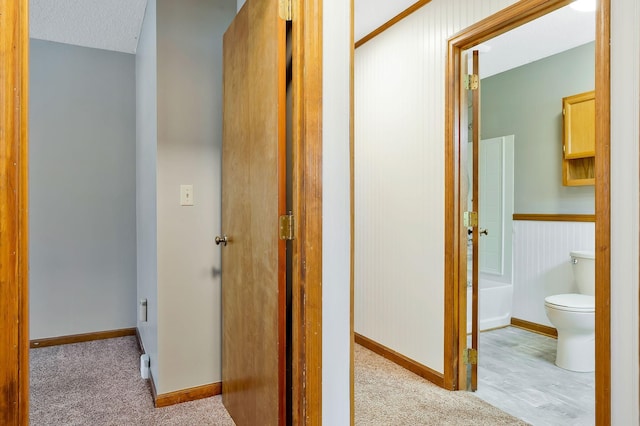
579,125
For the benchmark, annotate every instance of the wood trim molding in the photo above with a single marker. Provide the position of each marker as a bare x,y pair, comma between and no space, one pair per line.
555,217
534,327
404,362
185,395
14,195
152,385
85,337
603,214
307,200
399,17
507,19
517,14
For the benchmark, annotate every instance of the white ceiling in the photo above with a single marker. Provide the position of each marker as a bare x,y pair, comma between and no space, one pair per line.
550,34
372,14
115,25
102,24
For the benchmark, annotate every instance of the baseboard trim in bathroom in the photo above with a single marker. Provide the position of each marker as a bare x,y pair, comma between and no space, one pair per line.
185,395
534,327
84,337
407,363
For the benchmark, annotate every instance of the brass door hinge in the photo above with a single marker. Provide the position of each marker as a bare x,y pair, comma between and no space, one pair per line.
471,82
470,219
470,356
287,227
286,9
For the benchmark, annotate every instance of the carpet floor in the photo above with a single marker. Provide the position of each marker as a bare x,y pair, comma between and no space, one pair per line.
387,394
98,383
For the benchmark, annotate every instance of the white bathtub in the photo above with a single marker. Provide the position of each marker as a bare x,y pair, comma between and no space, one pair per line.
495,301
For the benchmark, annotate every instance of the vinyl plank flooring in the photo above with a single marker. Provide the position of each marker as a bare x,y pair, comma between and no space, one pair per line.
517,373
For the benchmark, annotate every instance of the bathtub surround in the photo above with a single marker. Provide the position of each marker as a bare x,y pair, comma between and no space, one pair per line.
496,180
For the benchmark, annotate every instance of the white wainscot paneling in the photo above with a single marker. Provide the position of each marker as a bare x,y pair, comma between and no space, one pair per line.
399,178
542,264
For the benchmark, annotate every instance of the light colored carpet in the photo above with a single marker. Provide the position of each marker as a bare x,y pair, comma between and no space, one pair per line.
387,394
98,383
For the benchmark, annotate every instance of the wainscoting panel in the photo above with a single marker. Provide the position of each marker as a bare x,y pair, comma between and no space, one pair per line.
399,175
542,263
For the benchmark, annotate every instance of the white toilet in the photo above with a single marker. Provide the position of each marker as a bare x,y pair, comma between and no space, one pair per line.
573,315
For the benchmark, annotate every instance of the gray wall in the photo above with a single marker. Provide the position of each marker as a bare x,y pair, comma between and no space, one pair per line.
82,192
527,102
146,157
179,72
189,152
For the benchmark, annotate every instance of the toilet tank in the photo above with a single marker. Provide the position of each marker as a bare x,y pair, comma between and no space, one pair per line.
584,271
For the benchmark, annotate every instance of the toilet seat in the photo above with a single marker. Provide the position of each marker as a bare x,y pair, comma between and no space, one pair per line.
571,302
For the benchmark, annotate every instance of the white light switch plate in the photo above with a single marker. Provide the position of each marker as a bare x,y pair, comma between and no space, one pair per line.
186,195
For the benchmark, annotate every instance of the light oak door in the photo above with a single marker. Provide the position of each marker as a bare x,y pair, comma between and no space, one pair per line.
475,234
253,198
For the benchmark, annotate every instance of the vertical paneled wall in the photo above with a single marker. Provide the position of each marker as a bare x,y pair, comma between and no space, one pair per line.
399,179
541,263
625,202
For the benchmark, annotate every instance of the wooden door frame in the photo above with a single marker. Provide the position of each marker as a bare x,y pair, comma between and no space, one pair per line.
307,181
14,264
455,237
307,202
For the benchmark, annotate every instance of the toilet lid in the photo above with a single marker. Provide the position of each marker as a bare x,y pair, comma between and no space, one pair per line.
572,302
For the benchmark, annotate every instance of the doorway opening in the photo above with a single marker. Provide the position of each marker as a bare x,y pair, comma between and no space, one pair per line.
456,232
524,258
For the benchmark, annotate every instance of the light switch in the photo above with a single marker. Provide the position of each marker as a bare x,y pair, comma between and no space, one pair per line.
186,195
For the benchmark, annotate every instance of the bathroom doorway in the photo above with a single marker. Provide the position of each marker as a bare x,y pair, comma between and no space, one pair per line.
477,37
516,365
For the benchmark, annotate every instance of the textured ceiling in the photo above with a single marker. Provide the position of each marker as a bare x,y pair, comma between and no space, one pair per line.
115,25
102,24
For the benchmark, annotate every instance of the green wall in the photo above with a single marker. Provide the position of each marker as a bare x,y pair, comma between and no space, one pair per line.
527,102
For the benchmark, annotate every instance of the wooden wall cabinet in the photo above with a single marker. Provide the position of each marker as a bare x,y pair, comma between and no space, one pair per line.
579,139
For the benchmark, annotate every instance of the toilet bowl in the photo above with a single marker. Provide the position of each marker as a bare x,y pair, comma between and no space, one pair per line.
573,315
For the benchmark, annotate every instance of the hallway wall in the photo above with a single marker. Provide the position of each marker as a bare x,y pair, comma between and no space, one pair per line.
184,55
399,172
82,209
625,191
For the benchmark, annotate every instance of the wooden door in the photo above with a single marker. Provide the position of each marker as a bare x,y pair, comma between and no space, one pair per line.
253,197
475,137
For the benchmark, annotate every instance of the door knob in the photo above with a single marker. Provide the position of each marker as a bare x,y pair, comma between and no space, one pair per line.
222,240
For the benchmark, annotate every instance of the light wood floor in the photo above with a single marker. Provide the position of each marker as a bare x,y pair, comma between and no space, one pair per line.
516,373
